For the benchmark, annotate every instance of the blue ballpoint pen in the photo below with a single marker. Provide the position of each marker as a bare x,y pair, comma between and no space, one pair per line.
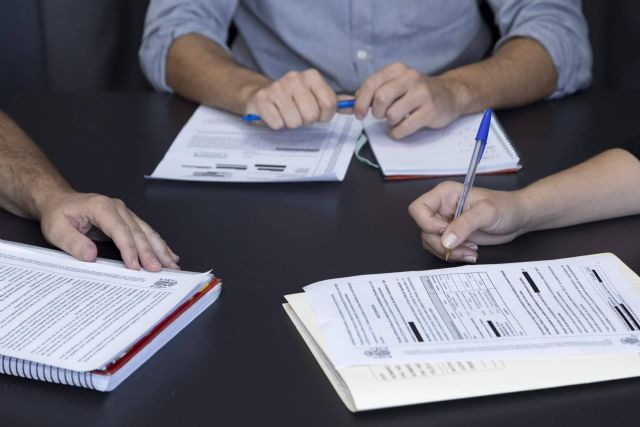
349,103
481,143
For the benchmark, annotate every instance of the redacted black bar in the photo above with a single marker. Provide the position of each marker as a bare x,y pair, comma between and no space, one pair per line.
595,273
493,328
623,317
531,282
633,319
415,331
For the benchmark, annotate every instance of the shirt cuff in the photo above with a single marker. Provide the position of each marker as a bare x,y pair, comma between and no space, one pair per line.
573,68
153,53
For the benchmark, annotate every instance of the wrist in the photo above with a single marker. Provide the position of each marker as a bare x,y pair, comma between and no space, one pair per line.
46,197
463,96
247,92
528,210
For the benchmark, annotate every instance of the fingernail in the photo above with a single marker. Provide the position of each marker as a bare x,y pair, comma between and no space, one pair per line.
449,241
472,246
470,258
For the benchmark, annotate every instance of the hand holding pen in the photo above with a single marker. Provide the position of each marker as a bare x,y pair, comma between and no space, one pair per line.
478,150
298,98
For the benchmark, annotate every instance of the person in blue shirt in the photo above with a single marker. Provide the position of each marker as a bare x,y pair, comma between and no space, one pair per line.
416,63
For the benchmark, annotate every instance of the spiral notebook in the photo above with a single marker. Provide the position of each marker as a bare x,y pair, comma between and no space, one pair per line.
441,152
89,325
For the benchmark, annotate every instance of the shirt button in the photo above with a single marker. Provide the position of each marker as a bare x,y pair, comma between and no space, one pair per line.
362,54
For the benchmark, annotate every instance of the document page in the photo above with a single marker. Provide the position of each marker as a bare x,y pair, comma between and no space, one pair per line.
386,385
583,305
76,315
445,151
218,146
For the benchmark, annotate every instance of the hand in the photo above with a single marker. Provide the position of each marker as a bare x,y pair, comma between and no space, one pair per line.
408,100
298,98
67,219
490,217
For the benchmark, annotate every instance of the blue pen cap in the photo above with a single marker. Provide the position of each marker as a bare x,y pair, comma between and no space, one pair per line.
483,130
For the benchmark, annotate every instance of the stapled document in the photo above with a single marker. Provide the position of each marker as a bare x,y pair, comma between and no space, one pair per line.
218,146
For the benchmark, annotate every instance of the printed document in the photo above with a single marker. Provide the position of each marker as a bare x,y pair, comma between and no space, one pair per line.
80,316
438,152
218,146
381,386
576,306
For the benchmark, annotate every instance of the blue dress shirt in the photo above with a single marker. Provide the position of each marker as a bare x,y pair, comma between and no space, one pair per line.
347,41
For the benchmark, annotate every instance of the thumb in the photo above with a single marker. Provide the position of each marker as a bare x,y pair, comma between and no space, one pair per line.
69,239
459,230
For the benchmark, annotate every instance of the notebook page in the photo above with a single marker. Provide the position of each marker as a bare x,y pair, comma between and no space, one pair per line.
79,316
445,151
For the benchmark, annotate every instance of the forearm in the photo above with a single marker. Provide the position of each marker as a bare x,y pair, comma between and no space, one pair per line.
28,178
605,186
520,72
201,70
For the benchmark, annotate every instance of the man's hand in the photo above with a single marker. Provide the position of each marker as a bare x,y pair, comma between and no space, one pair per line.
68,217
490,217
298,98
408,100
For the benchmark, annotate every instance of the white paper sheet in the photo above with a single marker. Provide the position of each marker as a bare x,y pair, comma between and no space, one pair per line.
574,306
446,151
76,315
218,146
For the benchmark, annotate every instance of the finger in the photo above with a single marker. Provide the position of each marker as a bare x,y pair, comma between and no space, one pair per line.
414,121
146,254
462,253
430,210
105,216
386,95
160,247
175,257
364,96
66,237
476,218
288,110
262,105
270,115
470,245
305,101
402,108
326,98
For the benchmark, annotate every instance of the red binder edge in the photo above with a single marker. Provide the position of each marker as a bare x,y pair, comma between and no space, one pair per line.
137,347
413,177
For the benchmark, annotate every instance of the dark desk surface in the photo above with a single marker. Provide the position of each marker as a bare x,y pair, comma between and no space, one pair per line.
242,362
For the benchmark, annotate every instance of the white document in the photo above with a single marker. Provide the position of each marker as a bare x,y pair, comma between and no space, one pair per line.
441,152
80,316
218,146
573,306
381,386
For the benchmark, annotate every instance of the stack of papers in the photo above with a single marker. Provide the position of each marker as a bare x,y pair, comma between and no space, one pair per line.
415,337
